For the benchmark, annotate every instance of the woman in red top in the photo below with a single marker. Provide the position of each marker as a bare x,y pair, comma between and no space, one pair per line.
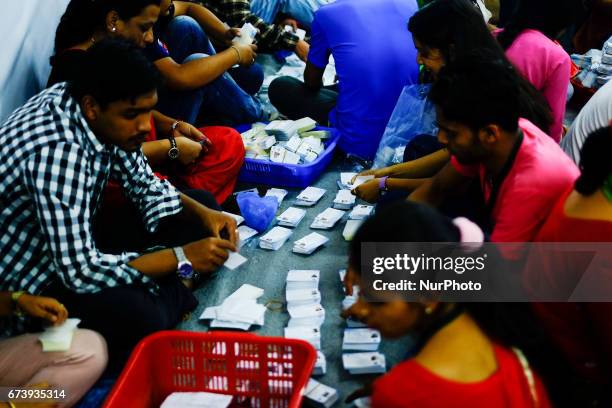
458,364
582,331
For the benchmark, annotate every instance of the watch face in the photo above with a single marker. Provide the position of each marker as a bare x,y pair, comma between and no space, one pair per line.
173,153
185,270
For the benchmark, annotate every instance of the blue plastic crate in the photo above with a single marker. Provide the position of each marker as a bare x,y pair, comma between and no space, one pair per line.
288,175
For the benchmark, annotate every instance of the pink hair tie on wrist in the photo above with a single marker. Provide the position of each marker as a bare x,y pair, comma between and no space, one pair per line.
472,236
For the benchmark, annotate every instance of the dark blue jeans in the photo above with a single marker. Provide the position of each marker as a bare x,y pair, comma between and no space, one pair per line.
226,100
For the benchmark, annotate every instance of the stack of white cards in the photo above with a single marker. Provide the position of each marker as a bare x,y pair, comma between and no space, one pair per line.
361,212
306,316
234,260
197,400
277,193
309,243
350,300
311,335
279,154
364,363
345,200
310,196
275,238
327,219
302,297
351,228
244,234
240,310
59,338
303,279
291,217
320,367
361,340
239,219
320,395
247,35
308,149
346,178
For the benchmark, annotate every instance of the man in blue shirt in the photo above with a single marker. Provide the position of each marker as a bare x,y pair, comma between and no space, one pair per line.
375,59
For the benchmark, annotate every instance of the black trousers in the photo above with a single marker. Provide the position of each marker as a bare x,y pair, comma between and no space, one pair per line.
293,99
126,314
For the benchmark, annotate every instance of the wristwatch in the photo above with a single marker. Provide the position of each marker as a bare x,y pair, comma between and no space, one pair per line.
382,183
15,297
185,268
174,152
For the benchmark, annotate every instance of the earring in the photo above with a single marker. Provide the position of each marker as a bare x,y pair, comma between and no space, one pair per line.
114,29
428,310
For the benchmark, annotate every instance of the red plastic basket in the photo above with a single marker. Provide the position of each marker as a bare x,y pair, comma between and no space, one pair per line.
259,371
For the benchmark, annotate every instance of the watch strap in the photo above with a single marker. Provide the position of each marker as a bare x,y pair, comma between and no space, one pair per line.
382,183
180,254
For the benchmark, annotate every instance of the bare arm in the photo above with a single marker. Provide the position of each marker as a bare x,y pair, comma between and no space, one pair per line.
436,189
425,166
313,76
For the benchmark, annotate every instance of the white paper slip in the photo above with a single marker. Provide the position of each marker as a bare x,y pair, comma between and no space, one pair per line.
239,218
309,243
303,279
346,178
291,158
302,297
230,325
309,315
241,311
234,260
59,338
197,400
361,340
320,395
351,228
244,234
314,143
250,190
277,193
349,301
364,363
327,219
319,134
291,217
247,291
304,124
277,154
247,34
320,367
342,275
209,313
345,200
275,238
293,144
310,196
361,212
311,335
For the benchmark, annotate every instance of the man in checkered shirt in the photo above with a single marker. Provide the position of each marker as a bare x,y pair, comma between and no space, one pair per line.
57,153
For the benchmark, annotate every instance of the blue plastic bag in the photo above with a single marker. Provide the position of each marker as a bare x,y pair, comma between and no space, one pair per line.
414,115
258,212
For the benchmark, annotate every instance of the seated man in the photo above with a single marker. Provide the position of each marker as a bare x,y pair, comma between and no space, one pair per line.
522,171
271,37
58,152
375,59
297,11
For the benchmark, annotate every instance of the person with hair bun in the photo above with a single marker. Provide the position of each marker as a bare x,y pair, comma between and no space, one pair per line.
581,331
463,360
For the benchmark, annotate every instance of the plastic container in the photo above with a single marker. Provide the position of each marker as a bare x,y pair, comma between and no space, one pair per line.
259,371
288,175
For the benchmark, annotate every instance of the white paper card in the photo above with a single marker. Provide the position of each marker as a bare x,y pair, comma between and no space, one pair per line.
234,260
197,400
239,218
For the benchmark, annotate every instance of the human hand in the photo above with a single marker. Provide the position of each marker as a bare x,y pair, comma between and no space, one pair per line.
351,279
188,130
220,225
189,150
368,191
43,307
301,50
229,35
207,255
247,54
370,172
290,22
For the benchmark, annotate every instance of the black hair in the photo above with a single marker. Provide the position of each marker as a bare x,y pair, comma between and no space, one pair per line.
83,17
550,17
404,221
115,70
595,163
478,91
457,28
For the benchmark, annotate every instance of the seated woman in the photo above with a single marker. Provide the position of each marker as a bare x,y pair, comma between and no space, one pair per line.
24,364
207,159
581,331
529,41
444,31
459,363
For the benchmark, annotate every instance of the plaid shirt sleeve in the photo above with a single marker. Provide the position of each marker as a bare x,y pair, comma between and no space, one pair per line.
238,12
57,177
154,198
